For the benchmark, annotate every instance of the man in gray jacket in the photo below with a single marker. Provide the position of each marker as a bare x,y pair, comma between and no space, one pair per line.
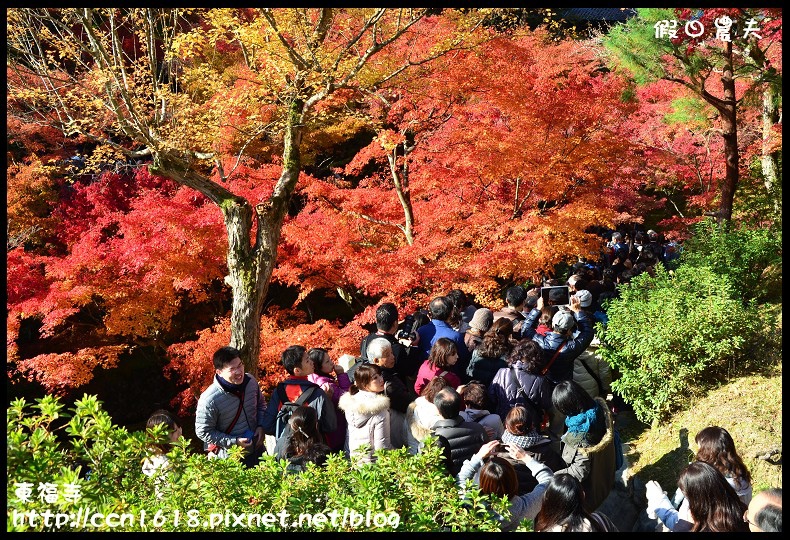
230,411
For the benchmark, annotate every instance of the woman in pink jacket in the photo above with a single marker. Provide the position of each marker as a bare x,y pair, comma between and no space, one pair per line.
333,380
443,354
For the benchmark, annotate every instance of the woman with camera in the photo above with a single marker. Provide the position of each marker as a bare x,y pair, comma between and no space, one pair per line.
521,432
496,475
713,504
716,447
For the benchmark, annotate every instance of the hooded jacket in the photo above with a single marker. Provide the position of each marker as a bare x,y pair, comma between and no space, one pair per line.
368,417
599,367
491,422
592,464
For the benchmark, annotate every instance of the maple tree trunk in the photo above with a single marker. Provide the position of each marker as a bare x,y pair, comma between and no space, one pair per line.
246,274
728,116
770,160
401,183
244,279
250,270
249,267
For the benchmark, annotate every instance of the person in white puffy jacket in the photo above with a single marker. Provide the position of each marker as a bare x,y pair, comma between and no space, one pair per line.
367,411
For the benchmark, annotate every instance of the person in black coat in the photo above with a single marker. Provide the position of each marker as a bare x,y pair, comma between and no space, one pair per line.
462,438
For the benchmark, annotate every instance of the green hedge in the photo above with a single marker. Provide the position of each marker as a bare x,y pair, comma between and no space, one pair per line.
673,334
398,492
741,254
689,329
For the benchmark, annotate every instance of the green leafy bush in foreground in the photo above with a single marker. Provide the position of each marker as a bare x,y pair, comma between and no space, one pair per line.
673,333
83,450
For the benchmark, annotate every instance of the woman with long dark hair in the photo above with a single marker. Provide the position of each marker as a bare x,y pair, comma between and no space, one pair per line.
563,509
716,447
713,504
305,443
521,383
588,443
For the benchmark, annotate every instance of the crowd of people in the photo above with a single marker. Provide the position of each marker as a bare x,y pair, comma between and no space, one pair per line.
517,398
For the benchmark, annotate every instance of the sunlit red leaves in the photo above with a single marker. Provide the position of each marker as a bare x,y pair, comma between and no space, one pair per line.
59,373
137,248
531,120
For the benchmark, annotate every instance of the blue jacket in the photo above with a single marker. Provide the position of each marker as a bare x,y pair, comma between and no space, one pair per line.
562,367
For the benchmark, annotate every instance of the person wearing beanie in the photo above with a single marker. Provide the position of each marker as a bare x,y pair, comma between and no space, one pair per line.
479,325
585,298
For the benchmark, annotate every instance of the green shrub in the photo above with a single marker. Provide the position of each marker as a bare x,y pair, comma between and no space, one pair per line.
398,492
672,334
740,254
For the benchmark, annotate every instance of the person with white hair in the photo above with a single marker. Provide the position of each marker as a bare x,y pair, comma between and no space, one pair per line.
380,353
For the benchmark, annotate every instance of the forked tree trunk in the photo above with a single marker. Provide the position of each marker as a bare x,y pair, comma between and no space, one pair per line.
250,266
250,273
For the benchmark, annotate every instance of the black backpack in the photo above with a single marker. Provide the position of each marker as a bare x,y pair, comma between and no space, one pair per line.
282,427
